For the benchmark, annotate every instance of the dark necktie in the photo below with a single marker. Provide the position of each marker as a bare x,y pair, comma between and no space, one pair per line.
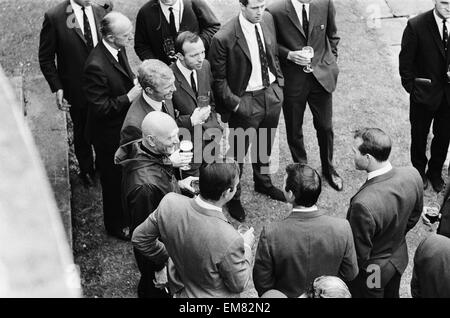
444,34
123,63
163,107
263,59
193,85
305,22
87,30
173,28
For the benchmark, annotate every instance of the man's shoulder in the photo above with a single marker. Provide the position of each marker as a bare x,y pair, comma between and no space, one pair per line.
419,19
149,6
277,7
58,10
407,172
226,30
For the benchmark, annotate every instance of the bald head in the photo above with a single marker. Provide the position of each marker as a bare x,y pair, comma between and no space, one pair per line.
117,29
160,133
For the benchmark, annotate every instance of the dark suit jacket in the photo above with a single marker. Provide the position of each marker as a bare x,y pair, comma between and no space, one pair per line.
131,128
422,56
431,273
185,101
381,213
231,63
106,84
304,246
69,46
152,27
322,37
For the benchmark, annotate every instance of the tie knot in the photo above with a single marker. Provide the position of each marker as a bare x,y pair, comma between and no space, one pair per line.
170,9
443,21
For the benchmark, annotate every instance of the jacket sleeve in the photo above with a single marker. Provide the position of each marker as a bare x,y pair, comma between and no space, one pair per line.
222,92
263,271
208,23
407,57
332,29
142,45
349,266
363,227
418,207
146,240
141,202
235,267
97,92
47,54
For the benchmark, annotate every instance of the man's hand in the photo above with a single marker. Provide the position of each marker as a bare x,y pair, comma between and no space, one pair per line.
200,115
297,58
61,102
186,184
249,237
181,159
135,92
161,280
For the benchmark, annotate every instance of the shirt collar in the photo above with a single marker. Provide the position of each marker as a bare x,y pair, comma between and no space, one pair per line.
114,52
379,172
153,103
247,26
205,205
299,6
303,209
185,71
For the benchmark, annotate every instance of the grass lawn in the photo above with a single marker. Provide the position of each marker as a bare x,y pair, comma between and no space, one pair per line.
368,94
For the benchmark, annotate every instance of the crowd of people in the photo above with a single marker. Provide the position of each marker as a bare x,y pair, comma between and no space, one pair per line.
166,180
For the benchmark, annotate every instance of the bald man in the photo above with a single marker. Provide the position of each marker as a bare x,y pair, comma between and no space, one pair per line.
109,90
147,177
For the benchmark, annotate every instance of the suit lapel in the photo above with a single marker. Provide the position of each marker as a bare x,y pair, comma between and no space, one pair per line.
435,33
183,82
169,108
313,16
292,14
98,18
114,62
241,39
75,26
372,181
128,69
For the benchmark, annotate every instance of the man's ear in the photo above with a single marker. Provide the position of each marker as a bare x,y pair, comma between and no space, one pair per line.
151,140
180,56
289,195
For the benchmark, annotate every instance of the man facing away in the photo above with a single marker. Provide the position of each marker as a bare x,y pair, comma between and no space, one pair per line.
248,91
108,85
307,244
70,31
424,69
384,209
147,177
210,258
160,21
300,24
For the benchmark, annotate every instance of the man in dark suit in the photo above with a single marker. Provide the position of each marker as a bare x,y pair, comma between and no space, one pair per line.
247,90
70,31
109,90
384,209
159,21
425,73
193,80
431,272
302,23
307,244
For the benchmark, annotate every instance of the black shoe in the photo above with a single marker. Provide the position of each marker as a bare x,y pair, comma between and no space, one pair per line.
334,180
272,192
123,234
87,180
436,182
236,210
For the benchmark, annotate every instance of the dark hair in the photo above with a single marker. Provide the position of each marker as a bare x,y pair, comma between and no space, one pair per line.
304,182
244,2
183,37
217,177
375,143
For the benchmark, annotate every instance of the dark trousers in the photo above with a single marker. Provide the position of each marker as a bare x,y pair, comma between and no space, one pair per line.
321,105
421,118
146,287
261,111
110,178
389,287
83,149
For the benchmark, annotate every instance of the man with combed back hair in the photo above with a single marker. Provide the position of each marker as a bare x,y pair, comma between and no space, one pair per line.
384,209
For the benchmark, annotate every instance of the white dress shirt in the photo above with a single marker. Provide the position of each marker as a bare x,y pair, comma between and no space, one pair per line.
187,73
177,12
90,15
206,205
304,209
153,103
440,24
255,83
298,6
379,172
114,52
